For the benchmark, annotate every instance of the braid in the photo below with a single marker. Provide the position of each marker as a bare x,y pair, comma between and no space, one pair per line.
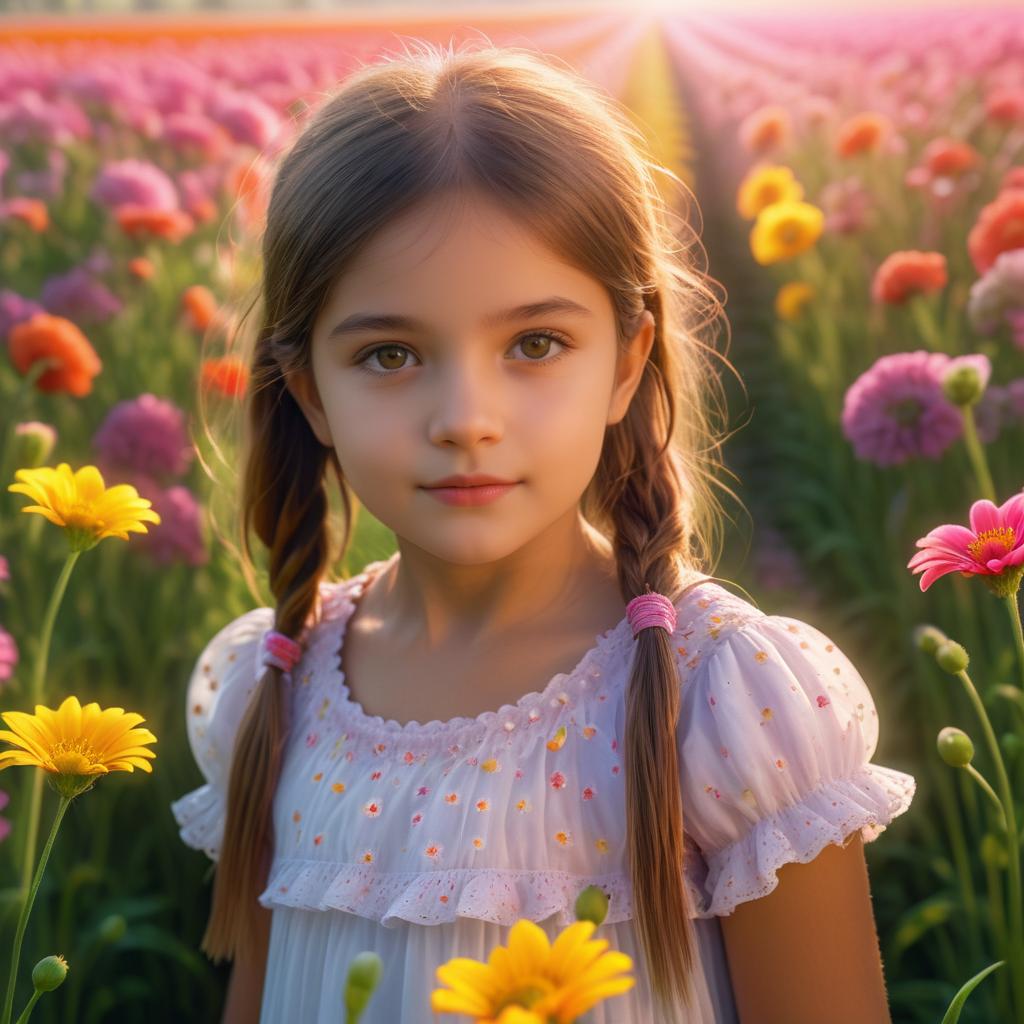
645,508
286,499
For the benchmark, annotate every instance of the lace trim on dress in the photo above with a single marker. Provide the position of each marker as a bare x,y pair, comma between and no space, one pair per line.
200,816
324,666
746,869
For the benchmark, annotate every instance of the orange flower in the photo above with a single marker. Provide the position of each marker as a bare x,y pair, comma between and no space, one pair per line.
999,228
908,273
1005,105
247,183
32,212
52,337
203,210
141,267
226,375
200,306
136,220
949,158
765,129
862,132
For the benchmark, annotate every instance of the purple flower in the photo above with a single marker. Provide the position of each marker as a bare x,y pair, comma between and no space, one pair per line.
896,410
14,309
79,296
8,655
179,536
28,117
5,569
989,412
144,435
1015,399
997,293
134,181
194,133
247,119
5,825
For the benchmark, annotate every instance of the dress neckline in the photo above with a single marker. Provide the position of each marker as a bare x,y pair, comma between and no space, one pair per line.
526,710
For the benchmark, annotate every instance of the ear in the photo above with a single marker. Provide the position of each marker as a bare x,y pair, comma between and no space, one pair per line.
302,387
630,367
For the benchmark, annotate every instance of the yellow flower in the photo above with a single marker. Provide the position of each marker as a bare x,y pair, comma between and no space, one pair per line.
791,299
75,744
552,982
765,185
83,505
784,230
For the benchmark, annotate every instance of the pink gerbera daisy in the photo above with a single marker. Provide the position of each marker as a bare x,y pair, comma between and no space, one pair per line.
993,547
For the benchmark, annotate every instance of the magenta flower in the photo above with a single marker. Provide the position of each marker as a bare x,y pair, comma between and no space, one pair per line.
79,296
993,546
246,118
8,655
15,309
144,435
5,825
134,181
896,410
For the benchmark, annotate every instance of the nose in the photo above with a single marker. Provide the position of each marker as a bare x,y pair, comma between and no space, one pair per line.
466,402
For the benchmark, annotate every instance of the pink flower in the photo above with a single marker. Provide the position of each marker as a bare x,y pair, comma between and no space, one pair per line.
896,410
993,546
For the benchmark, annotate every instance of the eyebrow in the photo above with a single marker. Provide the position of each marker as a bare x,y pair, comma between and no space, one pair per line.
395,322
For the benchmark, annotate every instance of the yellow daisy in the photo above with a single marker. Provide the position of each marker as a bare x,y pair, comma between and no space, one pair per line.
792,298
551,982
784,230
75,744
81,504
765,185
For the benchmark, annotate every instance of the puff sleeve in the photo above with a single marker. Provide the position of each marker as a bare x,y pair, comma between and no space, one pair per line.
777,730
221,684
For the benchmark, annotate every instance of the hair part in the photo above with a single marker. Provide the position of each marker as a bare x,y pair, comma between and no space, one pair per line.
515,126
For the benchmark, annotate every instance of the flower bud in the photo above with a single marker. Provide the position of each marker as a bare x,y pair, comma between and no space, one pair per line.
928,637
963,384
993,851
592,905
1011,744
33,443
363,975
112,928
951,657
49,973
955,747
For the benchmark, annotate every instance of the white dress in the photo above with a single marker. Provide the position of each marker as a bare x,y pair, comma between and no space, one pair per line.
428,841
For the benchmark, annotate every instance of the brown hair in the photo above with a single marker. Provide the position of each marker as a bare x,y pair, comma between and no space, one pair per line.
518,126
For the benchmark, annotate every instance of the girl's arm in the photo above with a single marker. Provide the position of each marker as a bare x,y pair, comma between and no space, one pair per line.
808,951
245,989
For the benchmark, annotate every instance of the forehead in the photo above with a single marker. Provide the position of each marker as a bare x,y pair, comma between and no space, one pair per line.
464,249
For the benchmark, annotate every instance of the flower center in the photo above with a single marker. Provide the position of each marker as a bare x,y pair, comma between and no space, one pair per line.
527,995
73,758
906,412
992,543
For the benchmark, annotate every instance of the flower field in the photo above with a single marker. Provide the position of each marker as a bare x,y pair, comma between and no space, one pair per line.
860,180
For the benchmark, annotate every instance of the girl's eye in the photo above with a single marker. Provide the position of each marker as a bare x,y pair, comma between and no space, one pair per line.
393,350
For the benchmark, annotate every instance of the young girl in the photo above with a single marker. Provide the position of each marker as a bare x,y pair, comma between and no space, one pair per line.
468,273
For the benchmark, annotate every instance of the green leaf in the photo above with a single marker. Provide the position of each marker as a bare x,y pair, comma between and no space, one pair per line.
953,1013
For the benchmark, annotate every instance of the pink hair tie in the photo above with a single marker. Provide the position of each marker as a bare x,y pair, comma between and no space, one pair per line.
651,610
279,650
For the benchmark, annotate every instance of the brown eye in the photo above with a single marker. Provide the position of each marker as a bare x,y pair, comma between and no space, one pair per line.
390,352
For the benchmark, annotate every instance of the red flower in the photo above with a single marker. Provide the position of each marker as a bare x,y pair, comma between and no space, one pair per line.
861,133
135,220
908,273
999,228
52,337
227,375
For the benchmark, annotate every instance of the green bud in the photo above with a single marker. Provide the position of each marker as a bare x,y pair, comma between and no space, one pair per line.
955,747
928,637
951,657
49,973
993,851
592,905
33,443
112,928
963,385
363,975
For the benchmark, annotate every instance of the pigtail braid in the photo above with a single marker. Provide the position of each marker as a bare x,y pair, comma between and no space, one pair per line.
645,506
286,504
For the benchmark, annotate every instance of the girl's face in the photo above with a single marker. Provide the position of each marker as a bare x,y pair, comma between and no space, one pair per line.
454,388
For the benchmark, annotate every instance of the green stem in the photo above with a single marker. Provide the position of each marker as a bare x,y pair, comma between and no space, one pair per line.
924,320
976,454
38,676
26,908
1018,632
983,782
36,996
1016,955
